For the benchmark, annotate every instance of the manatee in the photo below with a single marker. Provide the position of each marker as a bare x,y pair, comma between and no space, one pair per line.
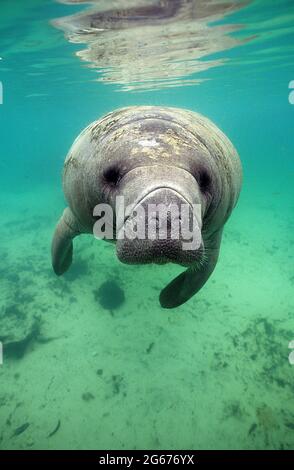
152,157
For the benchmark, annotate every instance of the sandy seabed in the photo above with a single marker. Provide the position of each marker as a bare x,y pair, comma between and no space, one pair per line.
213,374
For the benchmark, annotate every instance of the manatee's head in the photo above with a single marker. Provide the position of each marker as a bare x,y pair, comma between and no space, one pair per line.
157,179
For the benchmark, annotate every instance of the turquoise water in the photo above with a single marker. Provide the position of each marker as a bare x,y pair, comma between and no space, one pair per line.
212,374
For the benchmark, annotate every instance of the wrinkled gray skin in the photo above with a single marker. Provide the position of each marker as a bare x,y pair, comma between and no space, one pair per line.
158,155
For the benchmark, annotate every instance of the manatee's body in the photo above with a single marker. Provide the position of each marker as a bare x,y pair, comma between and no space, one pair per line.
152,155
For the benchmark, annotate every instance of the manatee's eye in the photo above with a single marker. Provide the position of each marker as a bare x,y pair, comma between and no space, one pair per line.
204,180
112,175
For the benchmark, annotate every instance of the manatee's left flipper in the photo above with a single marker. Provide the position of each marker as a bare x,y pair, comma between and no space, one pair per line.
184,286
62,246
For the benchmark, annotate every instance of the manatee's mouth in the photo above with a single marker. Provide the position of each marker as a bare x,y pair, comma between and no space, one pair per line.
162,227
141,252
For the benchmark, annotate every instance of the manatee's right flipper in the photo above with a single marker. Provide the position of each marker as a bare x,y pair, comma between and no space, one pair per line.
62,246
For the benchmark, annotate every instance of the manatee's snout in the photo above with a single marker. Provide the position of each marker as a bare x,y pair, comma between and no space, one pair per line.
163,227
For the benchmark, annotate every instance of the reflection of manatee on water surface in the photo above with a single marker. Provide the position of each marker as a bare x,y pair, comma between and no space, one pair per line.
148,44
